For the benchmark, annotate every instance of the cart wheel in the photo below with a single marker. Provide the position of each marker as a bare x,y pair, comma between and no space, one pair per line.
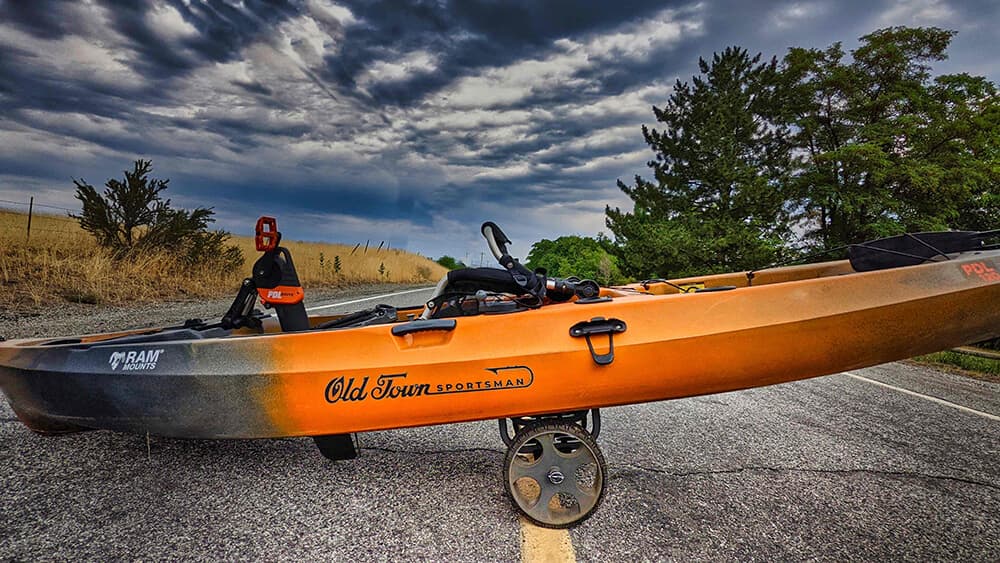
554,474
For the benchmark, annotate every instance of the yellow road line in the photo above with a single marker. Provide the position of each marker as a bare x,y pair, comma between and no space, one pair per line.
543,545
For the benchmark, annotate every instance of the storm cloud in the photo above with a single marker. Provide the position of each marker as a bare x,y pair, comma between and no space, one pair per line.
405,120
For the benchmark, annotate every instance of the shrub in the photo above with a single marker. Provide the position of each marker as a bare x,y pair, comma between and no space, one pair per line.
131,217
450,263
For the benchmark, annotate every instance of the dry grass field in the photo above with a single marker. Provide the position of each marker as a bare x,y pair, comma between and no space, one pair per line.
61,262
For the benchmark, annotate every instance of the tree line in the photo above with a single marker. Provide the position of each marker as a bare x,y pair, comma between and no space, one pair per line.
760,161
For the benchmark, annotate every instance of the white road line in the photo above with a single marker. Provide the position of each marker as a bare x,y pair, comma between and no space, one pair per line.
922,396
372,298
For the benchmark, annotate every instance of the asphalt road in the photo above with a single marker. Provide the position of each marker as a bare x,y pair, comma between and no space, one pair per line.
835,468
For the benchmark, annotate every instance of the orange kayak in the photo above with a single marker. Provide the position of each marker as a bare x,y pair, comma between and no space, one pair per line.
540,354
644,342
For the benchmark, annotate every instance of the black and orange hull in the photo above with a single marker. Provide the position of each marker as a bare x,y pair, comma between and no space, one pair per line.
792,323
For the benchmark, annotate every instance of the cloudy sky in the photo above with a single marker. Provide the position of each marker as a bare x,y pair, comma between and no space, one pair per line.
406,120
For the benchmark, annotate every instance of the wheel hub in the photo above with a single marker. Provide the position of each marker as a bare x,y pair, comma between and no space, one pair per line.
556,476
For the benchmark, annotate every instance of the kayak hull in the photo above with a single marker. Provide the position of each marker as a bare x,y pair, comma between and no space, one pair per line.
321,382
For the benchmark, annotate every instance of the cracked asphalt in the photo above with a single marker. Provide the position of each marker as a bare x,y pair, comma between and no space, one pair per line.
833,468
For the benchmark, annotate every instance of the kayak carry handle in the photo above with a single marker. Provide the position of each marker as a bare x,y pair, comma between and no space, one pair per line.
423,326
599,325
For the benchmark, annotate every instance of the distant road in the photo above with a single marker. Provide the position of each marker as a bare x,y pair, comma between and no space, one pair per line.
395,299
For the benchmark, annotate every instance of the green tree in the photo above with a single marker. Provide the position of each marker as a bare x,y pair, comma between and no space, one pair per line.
450,263
887,148
716,201
131,216
982,213
582,257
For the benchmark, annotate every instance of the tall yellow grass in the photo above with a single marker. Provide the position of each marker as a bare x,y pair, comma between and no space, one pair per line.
60,261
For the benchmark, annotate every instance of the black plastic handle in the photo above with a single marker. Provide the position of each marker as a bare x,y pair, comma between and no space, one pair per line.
423,326
495,238
599,325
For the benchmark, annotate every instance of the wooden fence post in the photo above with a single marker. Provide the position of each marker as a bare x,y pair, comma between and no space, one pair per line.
31,206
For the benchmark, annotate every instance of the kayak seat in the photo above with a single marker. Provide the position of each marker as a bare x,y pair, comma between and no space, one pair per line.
471,280
467,281
913,248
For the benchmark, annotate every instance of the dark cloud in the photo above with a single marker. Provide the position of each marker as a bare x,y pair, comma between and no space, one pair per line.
358,201
224,29
471,35
253,87
532,22
47,20
419,113
26,86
